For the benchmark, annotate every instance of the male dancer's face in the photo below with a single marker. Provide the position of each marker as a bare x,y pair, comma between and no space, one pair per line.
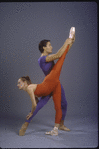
48,48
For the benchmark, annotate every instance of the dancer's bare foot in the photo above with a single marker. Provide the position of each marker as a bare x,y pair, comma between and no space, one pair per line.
62,127
23,129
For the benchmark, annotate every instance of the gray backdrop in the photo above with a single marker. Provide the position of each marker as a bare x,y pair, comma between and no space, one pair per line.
22,26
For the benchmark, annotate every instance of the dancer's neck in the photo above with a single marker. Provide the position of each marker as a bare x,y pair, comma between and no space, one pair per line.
44,54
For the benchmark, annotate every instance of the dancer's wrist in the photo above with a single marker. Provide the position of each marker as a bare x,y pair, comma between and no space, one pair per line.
31,112
33,109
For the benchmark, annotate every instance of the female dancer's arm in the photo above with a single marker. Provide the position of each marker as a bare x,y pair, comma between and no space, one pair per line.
32,96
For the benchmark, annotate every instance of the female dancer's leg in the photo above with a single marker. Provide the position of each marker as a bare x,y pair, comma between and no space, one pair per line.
45,99
57,103
52,79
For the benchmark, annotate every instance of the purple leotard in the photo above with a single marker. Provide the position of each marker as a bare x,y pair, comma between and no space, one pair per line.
46,68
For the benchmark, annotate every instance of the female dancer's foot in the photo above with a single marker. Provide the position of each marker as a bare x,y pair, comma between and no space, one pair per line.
72,32
23,129
53,132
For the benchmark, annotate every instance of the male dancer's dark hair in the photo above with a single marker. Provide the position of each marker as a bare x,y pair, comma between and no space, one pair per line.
42,44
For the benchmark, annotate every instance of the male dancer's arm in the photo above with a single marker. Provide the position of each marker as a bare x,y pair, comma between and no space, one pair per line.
52,57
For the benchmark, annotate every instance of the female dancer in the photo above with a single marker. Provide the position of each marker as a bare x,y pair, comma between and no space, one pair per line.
51,84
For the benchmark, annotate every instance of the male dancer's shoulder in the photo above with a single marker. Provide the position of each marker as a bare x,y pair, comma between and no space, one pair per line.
42,60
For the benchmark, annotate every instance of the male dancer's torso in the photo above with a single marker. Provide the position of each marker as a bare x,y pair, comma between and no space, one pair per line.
45,66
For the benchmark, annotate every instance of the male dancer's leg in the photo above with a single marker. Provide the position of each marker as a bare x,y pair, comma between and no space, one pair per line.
41,103
64,110
43,100
63,103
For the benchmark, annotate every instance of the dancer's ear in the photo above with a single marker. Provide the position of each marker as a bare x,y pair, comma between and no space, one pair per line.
44,48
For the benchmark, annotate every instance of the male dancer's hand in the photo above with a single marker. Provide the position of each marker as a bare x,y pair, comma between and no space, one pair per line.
29,115
69,40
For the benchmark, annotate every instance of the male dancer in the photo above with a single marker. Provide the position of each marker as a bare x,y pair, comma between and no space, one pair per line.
46,63
44,100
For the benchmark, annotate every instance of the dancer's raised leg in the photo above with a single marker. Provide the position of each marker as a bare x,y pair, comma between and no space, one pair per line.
56,74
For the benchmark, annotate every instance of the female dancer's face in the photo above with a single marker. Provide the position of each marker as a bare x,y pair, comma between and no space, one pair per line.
48,48
20,84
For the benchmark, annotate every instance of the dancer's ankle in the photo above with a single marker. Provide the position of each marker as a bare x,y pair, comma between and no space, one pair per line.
56,125
62,122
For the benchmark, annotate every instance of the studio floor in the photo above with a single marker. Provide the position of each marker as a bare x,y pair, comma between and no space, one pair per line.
83,134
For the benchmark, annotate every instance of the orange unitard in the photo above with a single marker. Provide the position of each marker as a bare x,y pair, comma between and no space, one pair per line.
51,84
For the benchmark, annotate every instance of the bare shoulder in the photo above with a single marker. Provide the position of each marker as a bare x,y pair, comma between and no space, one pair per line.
31,87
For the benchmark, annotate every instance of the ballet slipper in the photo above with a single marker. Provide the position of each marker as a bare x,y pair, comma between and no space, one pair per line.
62,127
72,32
53,132
23,129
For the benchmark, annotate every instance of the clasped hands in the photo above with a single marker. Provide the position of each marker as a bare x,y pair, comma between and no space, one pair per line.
29,115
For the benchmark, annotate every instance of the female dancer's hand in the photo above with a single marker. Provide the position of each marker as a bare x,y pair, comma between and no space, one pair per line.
29,115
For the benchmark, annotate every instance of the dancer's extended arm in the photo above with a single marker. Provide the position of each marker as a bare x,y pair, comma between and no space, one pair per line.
32,96
60,51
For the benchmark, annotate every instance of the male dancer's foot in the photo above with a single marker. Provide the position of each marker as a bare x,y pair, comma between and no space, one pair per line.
63,127
23,129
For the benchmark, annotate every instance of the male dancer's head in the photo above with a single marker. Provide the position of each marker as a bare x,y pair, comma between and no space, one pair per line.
45,47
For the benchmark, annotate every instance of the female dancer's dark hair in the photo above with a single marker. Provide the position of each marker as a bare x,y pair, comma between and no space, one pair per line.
27,79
